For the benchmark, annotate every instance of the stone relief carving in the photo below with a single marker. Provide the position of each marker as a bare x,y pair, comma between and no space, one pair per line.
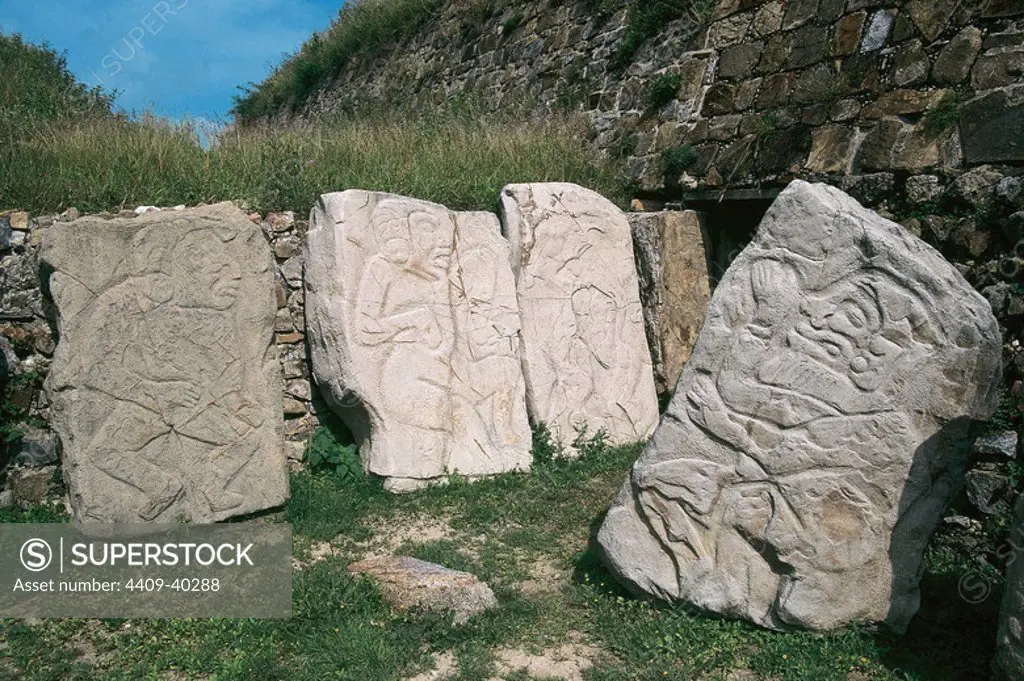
165,384
415,321
818,430
585,356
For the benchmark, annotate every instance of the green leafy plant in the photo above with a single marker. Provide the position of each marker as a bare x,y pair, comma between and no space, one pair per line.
474,18
675,160
14,406
663,90
512,23
545,447
324,452
589,445
646,18
623,145
945,115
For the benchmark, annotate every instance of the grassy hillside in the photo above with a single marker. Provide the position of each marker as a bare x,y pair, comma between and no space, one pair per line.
361,28
61,146
36,87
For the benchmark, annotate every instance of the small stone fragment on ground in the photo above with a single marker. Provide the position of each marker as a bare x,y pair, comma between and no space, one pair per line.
408,582
29,485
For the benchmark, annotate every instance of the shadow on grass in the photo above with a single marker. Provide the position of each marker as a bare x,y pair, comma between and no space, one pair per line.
949,638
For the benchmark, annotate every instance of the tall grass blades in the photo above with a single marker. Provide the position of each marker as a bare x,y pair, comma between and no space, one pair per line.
107,164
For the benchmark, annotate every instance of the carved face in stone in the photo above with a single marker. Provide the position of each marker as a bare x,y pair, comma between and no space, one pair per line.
419,241
432,242
208,277
860,329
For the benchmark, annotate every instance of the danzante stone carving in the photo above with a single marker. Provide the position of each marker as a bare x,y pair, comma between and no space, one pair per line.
585,358
414,336
165,385
818,430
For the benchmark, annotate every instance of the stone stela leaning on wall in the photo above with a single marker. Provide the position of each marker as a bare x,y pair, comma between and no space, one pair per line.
585,356
414,336
165,386
818,430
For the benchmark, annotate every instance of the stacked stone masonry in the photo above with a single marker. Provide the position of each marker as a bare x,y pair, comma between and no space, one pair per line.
768,90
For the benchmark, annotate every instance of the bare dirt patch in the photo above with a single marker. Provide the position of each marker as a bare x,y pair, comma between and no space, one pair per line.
546,577
388,534
567,661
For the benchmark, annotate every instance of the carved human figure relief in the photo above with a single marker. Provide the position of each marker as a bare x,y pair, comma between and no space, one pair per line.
412,320
818,430
586,359
165,384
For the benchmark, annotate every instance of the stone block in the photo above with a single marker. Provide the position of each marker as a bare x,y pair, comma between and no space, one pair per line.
413,330
674,288
832,149
800,469
585,355
990,127
998,70
165,386
847,34
931,16
956,58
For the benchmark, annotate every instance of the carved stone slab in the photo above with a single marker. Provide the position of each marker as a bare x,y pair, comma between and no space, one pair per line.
674,287
165,384
586,358
1010,639
818,430
413,328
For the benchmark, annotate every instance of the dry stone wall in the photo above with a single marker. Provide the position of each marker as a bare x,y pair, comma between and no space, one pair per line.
759,92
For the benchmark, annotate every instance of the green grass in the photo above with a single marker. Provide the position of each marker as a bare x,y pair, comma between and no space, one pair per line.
454,158
37,87
341,629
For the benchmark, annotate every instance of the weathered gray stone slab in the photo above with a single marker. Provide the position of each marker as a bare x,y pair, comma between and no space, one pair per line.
413,329
818,430
165,384
585,357
1010,638
412,583
674,288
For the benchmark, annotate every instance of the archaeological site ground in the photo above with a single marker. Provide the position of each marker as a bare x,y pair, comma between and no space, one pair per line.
588,340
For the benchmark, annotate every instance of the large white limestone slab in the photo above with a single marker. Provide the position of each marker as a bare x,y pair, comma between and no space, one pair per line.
165,385
585,356
413,329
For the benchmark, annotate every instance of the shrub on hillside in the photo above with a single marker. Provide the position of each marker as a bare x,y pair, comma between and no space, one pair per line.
361,29
36,87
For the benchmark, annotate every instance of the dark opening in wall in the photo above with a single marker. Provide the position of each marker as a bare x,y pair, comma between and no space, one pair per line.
729,225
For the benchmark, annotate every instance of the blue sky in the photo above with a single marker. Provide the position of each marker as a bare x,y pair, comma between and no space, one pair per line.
176,57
